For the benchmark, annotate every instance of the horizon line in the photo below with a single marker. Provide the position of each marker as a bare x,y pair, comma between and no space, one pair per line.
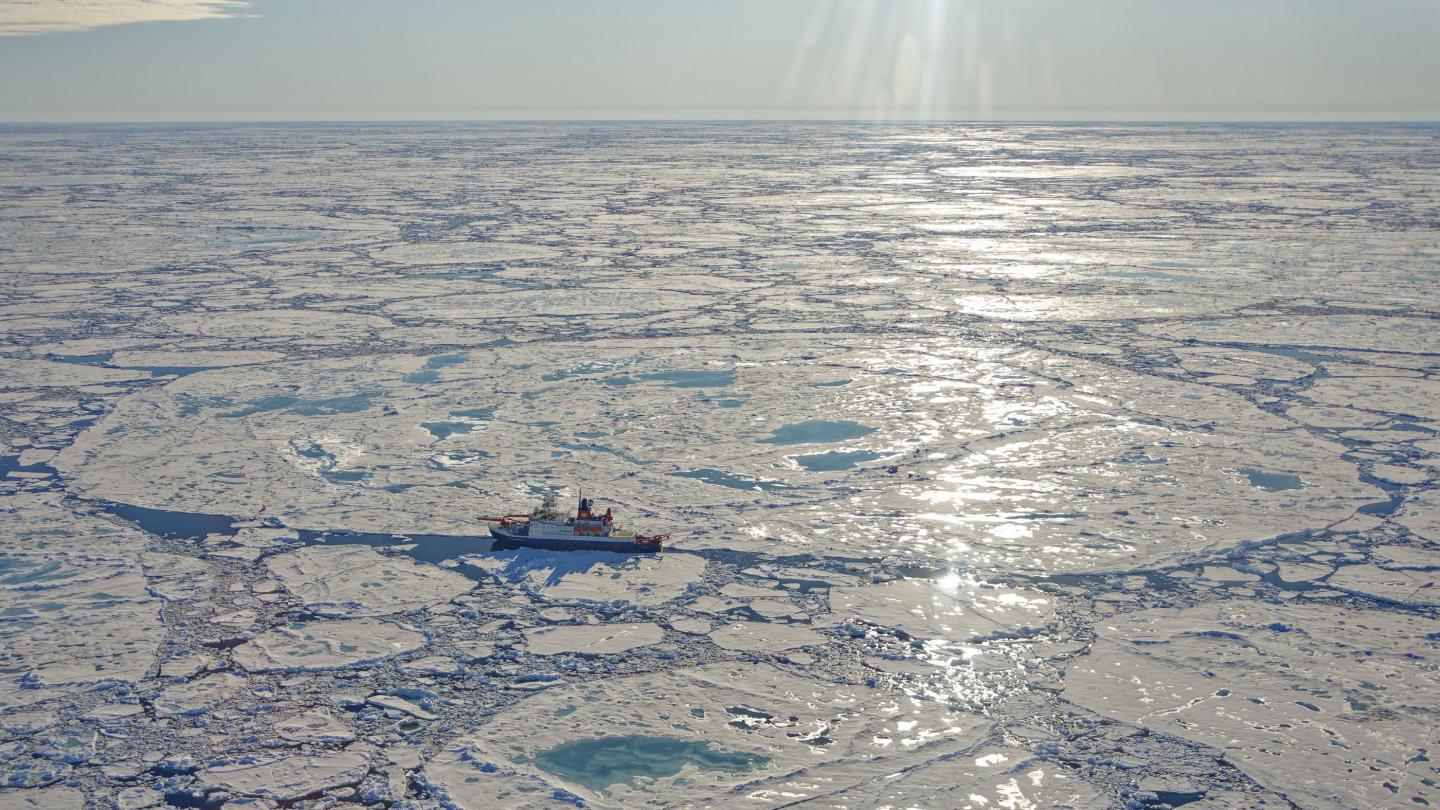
660,120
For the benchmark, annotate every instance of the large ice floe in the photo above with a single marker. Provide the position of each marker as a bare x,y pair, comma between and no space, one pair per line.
1003,467
716,733
948,609
288,778
77,611
357,581
586,639
1328,707
988,442
326,645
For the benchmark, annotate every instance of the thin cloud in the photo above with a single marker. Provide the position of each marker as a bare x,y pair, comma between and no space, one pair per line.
27,17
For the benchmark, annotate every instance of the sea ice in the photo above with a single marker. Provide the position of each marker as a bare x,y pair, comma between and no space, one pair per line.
1318,703
755,724
598,577
973,778
1416,588
949,609
75,622
592,639
321,645
358,581
50,798
288,778
316,726
1086,465
764,636
198,696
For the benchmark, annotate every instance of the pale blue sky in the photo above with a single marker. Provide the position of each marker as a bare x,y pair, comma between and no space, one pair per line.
849,59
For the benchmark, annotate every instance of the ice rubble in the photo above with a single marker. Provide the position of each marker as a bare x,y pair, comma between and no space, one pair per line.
278,326
1405,587
503,304
1314,332
399,704
49,374
160,360
464,253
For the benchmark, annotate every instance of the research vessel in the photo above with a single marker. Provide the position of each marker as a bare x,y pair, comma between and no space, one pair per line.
548,527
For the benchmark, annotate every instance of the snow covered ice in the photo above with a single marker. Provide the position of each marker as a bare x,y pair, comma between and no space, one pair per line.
1005,466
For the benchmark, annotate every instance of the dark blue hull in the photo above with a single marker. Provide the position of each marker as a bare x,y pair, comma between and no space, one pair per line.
504,537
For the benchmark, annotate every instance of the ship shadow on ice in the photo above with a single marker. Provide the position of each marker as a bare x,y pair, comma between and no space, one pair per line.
438,548
431,548
517,563
488,557
478,557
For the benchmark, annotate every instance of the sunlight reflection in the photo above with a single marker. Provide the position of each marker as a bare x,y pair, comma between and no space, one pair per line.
892,60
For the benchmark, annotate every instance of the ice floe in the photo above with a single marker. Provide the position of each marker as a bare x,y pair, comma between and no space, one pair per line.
1321,704
321,645
764,636
951,608
198,696
720,732
592,639
316,726
288,778
358,581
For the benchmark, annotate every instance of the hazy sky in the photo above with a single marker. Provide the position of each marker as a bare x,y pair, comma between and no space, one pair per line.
133,60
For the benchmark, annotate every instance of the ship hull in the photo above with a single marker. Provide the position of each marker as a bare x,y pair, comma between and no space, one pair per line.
624,546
